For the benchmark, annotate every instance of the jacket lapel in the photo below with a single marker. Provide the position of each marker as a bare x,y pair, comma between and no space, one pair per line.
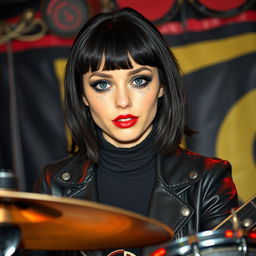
175,174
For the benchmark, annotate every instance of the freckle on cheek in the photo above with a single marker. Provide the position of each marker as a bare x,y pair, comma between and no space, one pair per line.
141,93
100,97
145,91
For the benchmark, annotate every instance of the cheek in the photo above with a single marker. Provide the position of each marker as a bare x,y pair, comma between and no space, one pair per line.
147,98
147,106
98,106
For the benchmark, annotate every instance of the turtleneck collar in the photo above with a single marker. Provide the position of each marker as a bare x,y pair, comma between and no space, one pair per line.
126,160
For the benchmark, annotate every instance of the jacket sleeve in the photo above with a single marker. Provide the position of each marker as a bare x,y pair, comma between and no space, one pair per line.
219,195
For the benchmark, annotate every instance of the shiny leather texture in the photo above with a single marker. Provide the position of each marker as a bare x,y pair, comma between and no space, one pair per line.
192,193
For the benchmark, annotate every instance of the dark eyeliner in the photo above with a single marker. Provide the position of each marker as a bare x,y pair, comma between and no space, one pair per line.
96,83
148,79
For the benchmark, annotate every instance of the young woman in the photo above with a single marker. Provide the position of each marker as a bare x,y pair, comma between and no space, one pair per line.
125,107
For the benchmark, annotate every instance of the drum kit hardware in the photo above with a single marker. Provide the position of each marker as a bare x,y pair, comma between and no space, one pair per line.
212,243
238,240
31,221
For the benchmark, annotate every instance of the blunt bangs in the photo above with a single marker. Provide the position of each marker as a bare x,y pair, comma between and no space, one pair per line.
115,42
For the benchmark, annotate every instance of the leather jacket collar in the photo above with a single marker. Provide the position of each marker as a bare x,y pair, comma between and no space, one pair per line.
175,174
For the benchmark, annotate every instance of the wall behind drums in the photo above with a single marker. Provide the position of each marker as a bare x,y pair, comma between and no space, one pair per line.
217,55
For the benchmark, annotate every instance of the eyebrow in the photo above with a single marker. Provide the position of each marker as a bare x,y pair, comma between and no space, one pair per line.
132,72
137,70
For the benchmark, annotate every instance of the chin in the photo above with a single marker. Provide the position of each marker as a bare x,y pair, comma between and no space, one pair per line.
127,140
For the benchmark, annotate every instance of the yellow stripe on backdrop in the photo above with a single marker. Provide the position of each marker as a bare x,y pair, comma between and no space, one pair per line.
199,55
236,135
59,67
239,129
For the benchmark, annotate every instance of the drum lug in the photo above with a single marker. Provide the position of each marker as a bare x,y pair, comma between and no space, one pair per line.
83,253
242,248
195,250
193,241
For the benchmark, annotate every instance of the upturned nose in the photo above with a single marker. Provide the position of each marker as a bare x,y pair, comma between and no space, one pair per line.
123,98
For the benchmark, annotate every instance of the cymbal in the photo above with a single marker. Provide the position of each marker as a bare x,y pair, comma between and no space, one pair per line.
56,223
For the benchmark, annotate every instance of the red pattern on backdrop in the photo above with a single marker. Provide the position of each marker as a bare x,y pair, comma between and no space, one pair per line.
172,27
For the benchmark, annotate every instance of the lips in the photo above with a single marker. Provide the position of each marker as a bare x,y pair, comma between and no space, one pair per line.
125,121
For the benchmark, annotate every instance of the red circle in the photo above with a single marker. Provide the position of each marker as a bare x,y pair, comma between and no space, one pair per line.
67,24
151,9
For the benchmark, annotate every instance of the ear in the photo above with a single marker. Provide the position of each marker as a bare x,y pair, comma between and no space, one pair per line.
85,101
161,92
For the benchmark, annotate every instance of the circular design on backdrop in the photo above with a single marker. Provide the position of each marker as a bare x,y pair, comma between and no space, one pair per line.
65,17
235,142
220,8
156,11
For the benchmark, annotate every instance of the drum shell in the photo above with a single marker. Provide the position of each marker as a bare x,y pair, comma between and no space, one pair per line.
212,243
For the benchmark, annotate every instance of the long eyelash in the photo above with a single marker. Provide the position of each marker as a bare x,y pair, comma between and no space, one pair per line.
94,85
148,79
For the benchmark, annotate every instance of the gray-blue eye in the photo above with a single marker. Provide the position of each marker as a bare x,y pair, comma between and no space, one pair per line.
100,85
141,81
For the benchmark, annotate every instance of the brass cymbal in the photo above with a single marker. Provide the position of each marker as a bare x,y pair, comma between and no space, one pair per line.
56,223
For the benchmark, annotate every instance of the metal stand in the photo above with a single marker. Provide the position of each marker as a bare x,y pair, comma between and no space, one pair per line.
10,237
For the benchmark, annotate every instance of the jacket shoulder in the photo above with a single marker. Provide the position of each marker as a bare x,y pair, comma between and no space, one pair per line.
62,171
203,162
56,166
184,168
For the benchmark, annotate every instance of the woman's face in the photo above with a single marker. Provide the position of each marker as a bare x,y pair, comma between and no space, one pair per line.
123,102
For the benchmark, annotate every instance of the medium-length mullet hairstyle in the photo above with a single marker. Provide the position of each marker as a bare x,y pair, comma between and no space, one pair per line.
116,36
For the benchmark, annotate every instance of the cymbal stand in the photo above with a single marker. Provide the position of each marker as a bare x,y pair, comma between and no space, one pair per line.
10,235
241,234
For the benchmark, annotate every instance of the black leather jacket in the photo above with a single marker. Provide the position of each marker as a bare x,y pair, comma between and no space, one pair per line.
192,193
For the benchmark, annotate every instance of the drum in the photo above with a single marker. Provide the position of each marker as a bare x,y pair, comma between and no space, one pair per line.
220,8
212,243
157,12
66,17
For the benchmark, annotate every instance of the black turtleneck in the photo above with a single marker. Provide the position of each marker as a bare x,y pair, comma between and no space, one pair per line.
125,177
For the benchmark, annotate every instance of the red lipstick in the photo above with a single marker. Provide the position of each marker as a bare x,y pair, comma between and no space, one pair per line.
125,121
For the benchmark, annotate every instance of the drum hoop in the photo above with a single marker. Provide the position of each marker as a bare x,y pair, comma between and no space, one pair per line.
170,14
207,240
206,11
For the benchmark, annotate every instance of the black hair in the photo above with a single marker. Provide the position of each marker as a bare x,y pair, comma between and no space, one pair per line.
115,36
